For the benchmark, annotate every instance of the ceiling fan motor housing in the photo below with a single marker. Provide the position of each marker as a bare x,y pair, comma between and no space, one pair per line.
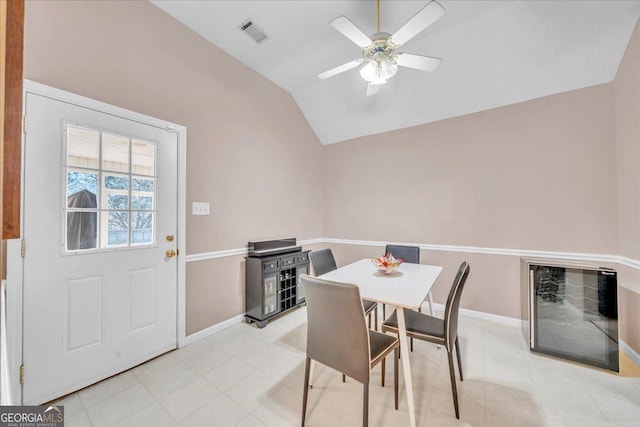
380,48
380,60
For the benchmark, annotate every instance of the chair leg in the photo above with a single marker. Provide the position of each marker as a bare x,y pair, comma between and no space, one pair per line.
411,338
306,389
365,405
344,378
459,360
369,320
375,316
383,370
454,389
395,375
311,374
384,312
432,307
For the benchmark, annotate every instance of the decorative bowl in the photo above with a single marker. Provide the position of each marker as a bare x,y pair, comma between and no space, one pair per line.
387,264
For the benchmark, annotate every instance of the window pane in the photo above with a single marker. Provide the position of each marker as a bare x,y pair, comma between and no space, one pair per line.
82,230
139,184
117,201
82,147
142,227
117,228
110,190
82,188
141,202
115,153
143,157
116,182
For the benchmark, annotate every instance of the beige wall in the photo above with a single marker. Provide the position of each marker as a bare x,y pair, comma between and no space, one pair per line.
539,175
250,152
627,107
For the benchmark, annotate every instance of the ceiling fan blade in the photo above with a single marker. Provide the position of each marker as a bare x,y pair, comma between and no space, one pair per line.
372,89
339,69
350,31
419,62
427,16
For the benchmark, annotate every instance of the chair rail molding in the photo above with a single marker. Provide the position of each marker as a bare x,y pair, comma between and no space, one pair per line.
629,262
239,251
574,256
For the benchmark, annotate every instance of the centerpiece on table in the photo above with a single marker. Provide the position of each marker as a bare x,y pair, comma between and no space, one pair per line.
387,264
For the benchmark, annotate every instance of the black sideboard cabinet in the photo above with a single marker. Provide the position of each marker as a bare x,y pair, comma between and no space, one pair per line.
273,279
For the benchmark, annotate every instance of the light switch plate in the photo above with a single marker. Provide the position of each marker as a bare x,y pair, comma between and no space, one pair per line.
200,208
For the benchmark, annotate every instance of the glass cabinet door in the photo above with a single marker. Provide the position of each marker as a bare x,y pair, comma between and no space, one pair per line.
270,285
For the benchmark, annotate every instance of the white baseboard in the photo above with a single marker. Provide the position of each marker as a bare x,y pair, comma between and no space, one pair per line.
631,353
213,329
503,320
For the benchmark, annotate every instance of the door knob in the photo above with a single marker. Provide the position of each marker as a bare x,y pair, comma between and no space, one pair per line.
169,237
170,253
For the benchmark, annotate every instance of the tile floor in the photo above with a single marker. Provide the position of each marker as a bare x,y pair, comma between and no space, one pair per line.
244,376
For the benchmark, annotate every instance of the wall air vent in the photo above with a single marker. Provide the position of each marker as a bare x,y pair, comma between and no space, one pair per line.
252,30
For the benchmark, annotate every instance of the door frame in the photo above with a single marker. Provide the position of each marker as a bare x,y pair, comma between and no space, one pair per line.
15,275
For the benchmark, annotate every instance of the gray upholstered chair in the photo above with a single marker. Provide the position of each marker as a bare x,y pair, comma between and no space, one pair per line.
323,262
440,331
408,254
338,337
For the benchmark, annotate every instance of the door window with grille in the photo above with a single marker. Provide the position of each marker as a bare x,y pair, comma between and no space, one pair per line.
110,190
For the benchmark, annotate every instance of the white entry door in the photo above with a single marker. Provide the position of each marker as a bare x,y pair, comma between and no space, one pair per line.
100,223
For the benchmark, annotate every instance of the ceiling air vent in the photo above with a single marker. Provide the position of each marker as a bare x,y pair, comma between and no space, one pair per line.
252,30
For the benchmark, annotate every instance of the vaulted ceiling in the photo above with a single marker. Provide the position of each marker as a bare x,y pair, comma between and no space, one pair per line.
494,53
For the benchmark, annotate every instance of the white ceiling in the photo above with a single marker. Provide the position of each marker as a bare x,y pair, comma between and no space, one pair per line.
495,53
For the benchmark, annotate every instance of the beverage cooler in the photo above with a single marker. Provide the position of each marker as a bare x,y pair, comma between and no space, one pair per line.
573,312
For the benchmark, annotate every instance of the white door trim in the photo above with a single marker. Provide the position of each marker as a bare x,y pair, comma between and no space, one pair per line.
14,261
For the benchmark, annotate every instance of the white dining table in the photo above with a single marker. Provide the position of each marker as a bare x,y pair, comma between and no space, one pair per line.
406,290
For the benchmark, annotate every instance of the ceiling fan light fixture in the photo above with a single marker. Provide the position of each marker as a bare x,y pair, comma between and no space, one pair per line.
379,51
368,72
378,72
378,81
388,68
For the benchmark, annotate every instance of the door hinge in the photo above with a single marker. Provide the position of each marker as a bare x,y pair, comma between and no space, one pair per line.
23,248
21,374
24,124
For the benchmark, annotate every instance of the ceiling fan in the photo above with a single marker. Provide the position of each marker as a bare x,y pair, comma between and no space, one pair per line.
379,51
